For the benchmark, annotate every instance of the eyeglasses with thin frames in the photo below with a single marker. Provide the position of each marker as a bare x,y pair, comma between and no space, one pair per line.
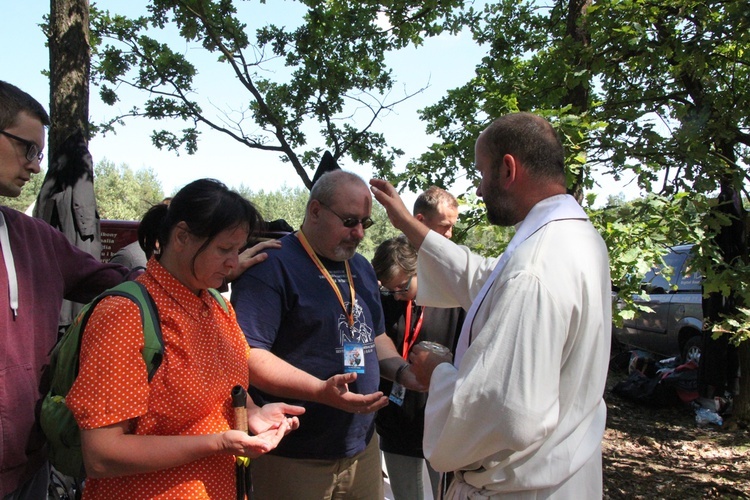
405,289
351,222
32,150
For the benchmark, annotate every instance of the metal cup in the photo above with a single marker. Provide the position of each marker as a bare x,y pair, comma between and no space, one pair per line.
434,347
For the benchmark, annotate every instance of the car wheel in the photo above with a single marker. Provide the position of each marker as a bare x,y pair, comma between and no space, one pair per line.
692,350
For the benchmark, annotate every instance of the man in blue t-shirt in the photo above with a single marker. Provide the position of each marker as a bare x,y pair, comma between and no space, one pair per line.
311,314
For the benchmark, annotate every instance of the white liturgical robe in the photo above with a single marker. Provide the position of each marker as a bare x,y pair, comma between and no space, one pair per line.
522,415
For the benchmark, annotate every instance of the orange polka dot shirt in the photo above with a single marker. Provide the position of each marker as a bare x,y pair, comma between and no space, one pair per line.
205,355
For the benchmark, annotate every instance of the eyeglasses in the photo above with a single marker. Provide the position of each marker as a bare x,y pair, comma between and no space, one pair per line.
405,289
350,222
32,150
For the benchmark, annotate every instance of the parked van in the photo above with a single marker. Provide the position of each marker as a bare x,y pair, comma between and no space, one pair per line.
675,326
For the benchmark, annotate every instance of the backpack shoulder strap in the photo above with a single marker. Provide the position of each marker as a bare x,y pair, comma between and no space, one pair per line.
153,351
219,298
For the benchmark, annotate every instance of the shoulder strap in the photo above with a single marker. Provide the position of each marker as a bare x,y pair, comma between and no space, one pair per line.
153,351
219,298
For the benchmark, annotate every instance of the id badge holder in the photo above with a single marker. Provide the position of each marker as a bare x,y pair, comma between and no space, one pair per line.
398,392
354,357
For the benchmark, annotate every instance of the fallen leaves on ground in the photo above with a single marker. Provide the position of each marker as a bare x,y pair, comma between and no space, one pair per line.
653,453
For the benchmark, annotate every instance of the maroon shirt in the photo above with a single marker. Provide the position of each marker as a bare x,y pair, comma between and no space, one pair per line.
49,268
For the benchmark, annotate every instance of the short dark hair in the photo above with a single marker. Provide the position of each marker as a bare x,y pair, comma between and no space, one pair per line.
429,201
207,206
13,101
393,255
532,140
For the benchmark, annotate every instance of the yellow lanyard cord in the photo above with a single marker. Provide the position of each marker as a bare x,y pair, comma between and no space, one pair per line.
349,312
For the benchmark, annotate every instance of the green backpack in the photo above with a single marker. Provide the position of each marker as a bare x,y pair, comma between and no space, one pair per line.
58,423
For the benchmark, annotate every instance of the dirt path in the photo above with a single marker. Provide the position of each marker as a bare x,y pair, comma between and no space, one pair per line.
661,453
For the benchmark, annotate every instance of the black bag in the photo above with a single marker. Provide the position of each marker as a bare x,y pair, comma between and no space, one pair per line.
62,487
638,387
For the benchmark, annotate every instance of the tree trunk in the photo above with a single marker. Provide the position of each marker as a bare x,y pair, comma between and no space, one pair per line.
578,95
741,409
721,360
70,67
66,199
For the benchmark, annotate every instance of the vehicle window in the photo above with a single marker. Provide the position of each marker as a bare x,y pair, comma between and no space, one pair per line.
655,280
690,280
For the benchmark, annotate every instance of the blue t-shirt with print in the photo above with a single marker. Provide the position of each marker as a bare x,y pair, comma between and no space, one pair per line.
286,305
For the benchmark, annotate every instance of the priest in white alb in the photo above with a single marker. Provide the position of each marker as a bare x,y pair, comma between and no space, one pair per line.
519,412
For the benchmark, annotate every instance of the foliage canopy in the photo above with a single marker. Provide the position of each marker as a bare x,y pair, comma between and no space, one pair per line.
300,86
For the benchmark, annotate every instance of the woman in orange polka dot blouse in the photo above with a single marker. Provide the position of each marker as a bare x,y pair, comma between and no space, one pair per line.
172,437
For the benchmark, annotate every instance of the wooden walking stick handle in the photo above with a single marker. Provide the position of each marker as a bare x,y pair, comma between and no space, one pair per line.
239,403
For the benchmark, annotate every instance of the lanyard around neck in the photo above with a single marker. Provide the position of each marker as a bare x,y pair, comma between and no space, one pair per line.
411,337
350,311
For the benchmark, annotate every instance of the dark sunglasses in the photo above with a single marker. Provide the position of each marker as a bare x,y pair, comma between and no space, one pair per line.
32,150
350,222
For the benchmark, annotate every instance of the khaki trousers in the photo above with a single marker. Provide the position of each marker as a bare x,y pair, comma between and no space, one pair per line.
357,478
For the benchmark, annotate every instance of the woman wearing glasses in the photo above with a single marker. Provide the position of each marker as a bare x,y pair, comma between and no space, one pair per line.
401,423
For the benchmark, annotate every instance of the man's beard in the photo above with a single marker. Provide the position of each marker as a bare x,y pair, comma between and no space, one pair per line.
500,210
342,253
